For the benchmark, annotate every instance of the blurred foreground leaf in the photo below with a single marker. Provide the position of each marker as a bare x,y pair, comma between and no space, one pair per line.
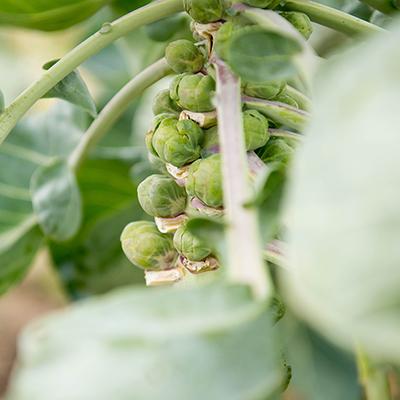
344,202
212,342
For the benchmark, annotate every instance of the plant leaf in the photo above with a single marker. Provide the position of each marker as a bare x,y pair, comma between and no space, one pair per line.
56,200
343,202
17,250
47,15
315,361
34,143
93,262
269,200
73,89
167,343
259,55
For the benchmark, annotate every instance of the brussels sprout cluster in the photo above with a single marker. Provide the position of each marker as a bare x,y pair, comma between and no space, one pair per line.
183,146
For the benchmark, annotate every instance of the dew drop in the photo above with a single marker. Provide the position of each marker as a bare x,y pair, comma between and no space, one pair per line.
106,28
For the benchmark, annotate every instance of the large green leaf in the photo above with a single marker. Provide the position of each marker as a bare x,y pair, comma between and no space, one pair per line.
320,369
34,143
259,55
56,200
94,262
344,202
47,15
18,247
204,342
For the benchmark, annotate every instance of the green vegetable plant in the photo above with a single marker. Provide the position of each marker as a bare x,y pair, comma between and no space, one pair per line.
267,179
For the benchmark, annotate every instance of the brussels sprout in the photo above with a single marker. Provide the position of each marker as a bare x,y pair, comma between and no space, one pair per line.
161,196
211,142
300,21
164,104
255,129
205,181
176,142
183,56
276,150
204,11
148,248
193,92
264,90
189,245
149,135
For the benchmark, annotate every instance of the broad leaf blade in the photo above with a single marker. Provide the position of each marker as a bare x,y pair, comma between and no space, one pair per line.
258,55
93,262
73,89
17,250
56,200
343,202
47,15
33,144
209,342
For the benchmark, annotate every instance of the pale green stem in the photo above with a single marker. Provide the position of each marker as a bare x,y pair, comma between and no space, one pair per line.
302,100
373,379
279,112
98,41
332,18
244,249
115,108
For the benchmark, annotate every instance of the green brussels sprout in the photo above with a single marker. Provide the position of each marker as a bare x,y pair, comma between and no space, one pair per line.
264,90
193,92
161,196
184,56
287,99
205,181
211,142
189,245
204,11
276,150
255,129
149,135
148,248
176,142
164,104
166,28
300,21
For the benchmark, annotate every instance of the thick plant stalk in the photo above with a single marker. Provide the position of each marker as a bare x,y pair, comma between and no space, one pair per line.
332,18
245,257
115,108
98,41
